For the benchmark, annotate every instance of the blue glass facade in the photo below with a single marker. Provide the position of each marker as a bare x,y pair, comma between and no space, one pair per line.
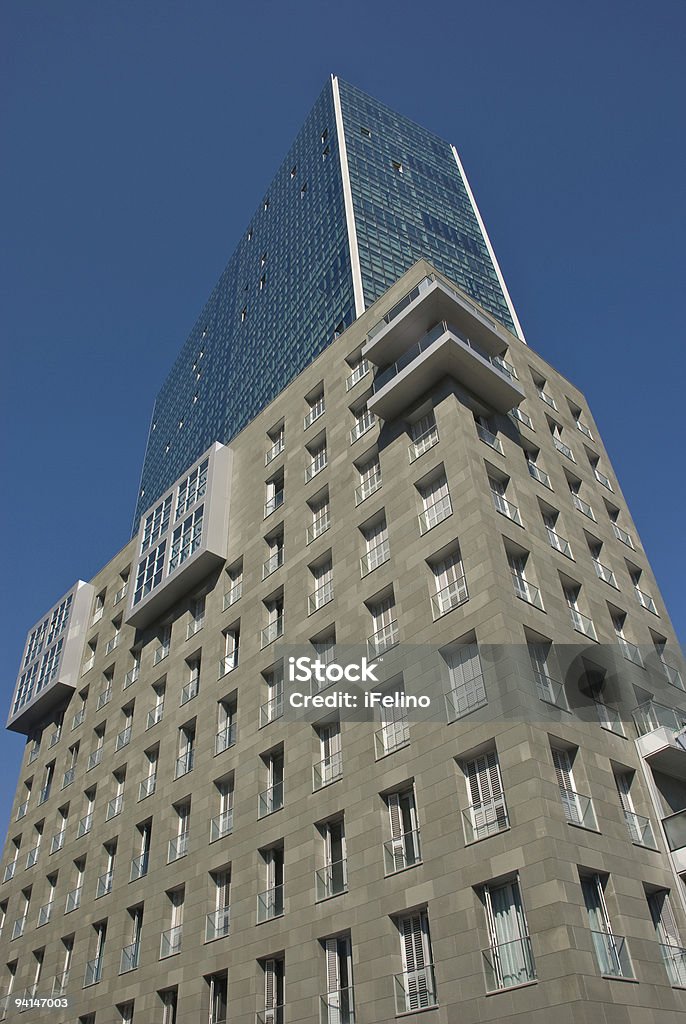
288,288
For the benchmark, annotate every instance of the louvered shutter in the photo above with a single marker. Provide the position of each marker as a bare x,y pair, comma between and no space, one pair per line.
333,982
565,780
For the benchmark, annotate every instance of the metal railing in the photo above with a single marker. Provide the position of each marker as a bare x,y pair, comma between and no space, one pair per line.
674,959
331,880
364,423
59,983
217,924
383,640
184,764
32,855
225,738
21,810
584,429
130,956
44,913
103,886
84,826
328,770
550,690
318,526
123,738
375,557
270,904
190,691
368,487
273,563
560,544
612,955
605,574
228,663
508,963
522,417
582,623
194,626
275,450
139,867
78,718
391,737
583,506
271,710
578,808
94,758
360,371
602,479
506,508
485,819
147,786
270,800
18,927
112,643
449,597
68,777
630,651
93,972
337,1007
171,941
319,597
461,701
44,794
178,847
423,442
548,399
121,593
160,653
564,449
10,869
673,675
435,513
272,632
57,841
114,807
415,990
622,535
155,715
489,438
104,697
526,591
73,901
271,504
221,825
317,410
271,1015
640,830
645,601
405,851
402,304
539,474
55,737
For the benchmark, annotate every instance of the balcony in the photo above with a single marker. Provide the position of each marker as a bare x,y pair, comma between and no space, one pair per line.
155,715
225,738
583,506
605,574
674,826
147,786
178,847
273,563
85,825
130,956
640,830
622,535
270,904
508,964
423,443
275,450
662,737
362,426
114,807
319,597
217,924
447,598
271,632
563,449
612,955
506,508
271,504
103,886
331,880
403,852
485,819
489,438
319,526
68,777
526,591
271,710
233,594
582,624
391,737
337,1007
44,914
646,601
184,764
328,770
93,972
539,474
578,809
270,800
123,738
559,543
383,640
139,867
104,697
360,371
441,351
73,901
57,841
415,990
190,691
171,942
221,825
368,487
435,513
94,759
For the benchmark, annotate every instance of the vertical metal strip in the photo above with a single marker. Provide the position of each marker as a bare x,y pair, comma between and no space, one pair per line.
358,291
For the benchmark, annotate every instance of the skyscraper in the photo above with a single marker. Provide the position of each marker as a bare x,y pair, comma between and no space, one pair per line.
380,713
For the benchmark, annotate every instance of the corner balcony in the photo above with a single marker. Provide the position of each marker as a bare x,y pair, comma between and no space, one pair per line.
435,331
662,737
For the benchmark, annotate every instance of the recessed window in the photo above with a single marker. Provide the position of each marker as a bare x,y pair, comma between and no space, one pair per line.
325,135
366,132
265,205
294,170
303,190
397,167
244,314
249,235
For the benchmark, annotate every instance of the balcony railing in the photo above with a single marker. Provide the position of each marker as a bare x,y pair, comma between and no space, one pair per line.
605,574
22,809
154,715
139,867
612,955
178,847
273,563
73,901
233,594
337,1007
405,851
584,429
548,399
363,424
622,535
602,479
121,593
550,690
506,508
360,371
68,777
435,513
44,794
582,624
271,504
57,841
640,830
221,825
578,808
368,487
318,463
564,449
526,591
375,557
114,807
84,826
93,972
609,718
449,597
522,417
123,738
651,716
560,544
88,664
383,640
18,928
270,904
275,450
319,597
674,959
630,651
391,737
583,506
160,653
645,601
55,738
328,770
508,963
147,786
272,632
10,870
317,410
190,690
217,924
171,941
94,758
415,990
103,886
78,718
319,526
485,819
271,1015
112,643
104,697
194,626
59,983
489,438
539,474
98,614
44,913
270,800
271,710
32,855
130,956
673,675
423,442
225,738
184,764
331,880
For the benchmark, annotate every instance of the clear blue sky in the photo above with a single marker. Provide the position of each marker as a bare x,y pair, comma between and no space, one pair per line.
137,139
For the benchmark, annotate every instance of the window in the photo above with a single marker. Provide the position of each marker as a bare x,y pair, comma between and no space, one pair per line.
271,798
171,940
449,583
415,987
332,878
540,384
219,997
395,731
226,724
363,420
639,828
231,643
370,478
524,589
149,783
667,933
466,688
550,518
273,981
377,548
424,435
403,849
94,966
322,583
197,616
436,502
321,517
318,457
164,645
130,954
329,767
487,431
509,960
603,573
86,822
169,1000
186,538
556,434
578,808
277,436
34,851
273,707
235,584
274,628
628,649
549,689
486,813
317,407
338,1006
192,687
359,369
611,951
103,885
619,532
186,748
498,485
270,901
139,864
580,622
217,923
594,461
645,600
59,985
222,824
274,494
535,470
384,626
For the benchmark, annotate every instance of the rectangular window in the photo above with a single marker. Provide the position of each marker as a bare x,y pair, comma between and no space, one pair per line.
450,585
611,951
509,960
415,987
667,933
577,807
338,1005
403,849
467,690
486,814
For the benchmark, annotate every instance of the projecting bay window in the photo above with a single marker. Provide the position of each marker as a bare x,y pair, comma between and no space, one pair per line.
466,688
578,808
486,814
415,986
217,923
273,982
509,959
668,936
403,849
332,879
436,503
337,1004
329,767
549,688
611,951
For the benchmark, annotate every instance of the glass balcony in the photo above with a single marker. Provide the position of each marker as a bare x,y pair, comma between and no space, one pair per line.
539,474
94,758
319,597
130,956
331,880
73,900
271,1015
114,807
103,886
139,867
622,535
233,594
610,718
221,825
271,710
272,564
275,450
612,955
673,675
485,819
651,716
57,841
519,416
605,574
154,715
646,601
508,963
32,855
184,764
319,526
68,777
84,826
435,514
640,830
449,597
45,913
123,738
391,737
88,664
178,847
602,479
78,718
559,543
271,632
194,627
270,904
423,443
44,794
506,508
328,770
104,697
93,972
368,487
415,990
271,504
147,786
405,851
360,371
630,651
217,924
189,691
375,557
18,928
337,1007
225,738
674,959
489,438
316,466
270,800
160,653
578,809
550,690
526,591
171,941
583,506
364,423
582,624
564,449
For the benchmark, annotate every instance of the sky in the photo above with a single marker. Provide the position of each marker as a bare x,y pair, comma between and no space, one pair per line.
137,139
